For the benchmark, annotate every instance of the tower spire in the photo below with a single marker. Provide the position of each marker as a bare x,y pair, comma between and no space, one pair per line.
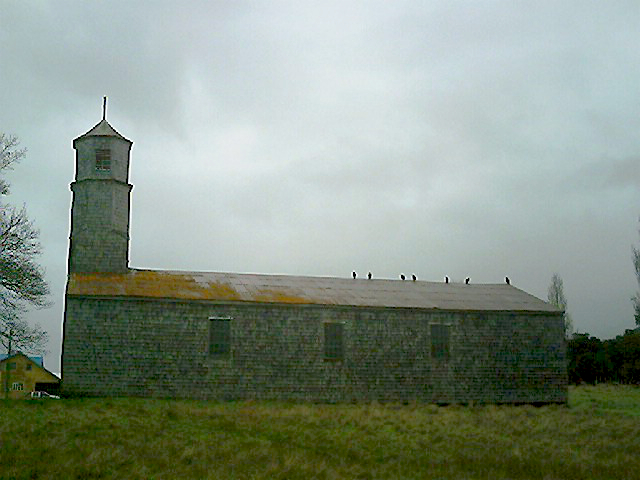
104,108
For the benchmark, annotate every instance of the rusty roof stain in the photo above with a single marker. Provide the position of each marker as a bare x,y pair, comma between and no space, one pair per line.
289,289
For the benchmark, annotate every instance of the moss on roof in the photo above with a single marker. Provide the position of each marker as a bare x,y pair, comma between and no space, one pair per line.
285,289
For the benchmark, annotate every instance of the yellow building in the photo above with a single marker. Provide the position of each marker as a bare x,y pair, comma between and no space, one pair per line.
20,375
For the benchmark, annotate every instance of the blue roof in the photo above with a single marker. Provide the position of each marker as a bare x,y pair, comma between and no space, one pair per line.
38,360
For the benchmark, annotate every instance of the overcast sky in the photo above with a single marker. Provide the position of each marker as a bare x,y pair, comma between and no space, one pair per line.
477,139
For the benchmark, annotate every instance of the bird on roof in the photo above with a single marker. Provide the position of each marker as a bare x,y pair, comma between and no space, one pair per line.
402,276
466,281
369,275
446,279
413,277
506,279
354,275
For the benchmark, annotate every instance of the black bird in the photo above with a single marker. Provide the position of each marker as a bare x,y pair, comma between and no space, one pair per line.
446,279
402,276
506,279
354,275
466,281
369,275
414,278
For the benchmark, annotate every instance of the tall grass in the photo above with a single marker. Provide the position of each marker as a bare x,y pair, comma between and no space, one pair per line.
597,436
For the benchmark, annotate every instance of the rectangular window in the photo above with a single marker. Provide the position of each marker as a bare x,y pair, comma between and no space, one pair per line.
333,341
28,366
17,386
219,336
440,342
11,366
103,160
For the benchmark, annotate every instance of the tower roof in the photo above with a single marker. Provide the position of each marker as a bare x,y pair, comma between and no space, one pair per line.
103,129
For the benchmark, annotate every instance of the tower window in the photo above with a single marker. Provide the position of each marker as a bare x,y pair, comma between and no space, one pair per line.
103,160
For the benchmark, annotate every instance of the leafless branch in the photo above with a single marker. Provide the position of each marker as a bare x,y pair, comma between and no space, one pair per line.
22,280
556,297
10,154
17,336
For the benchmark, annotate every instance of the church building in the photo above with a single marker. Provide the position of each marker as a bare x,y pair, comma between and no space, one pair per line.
213,335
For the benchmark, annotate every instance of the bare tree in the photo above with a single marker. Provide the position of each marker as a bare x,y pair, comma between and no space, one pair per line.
636,298
17,336
21,277
10,154
556,297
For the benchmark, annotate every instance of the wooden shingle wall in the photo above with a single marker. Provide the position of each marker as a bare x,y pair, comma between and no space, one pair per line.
123,347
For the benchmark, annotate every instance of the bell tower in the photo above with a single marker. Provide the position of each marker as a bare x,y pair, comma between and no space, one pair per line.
99,240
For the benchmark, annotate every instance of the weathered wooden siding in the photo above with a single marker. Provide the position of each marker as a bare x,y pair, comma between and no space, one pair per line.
120,346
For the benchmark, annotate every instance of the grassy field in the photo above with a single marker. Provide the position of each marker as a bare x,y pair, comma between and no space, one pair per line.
598,436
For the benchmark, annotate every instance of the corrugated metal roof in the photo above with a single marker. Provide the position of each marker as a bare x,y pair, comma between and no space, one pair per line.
103,129
305,290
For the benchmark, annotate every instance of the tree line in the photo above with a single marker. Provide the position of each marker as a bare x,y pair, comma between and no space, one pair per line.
591,360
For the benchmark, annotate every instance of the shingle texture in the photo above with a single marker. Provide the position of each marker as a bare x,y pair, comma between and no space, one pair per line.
306,290
148,333
158,347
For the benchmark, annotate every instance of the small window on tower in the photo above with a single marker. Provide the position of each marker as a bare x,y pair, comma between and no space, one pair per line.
103,160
